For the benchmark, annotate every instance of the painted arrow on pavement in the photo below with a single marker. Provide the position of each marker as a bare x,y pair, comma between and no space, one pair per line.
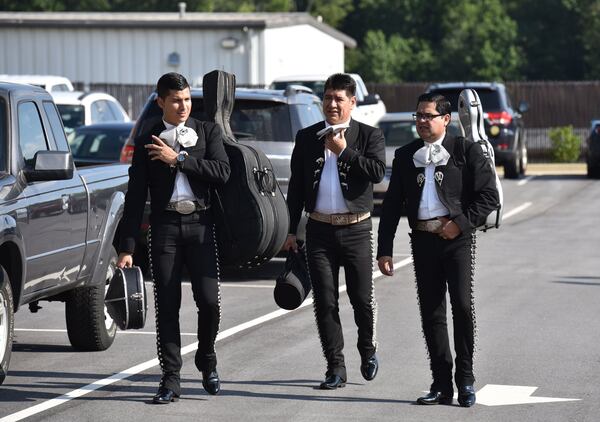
501,395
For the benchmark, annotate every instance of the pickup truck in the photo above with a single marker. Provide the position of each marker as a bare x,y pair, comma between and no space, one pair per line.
369,107
58,224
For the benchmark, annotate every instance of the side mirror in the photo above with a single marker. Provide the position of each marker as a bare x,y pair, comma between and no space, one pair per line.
523,107
370,99
50,165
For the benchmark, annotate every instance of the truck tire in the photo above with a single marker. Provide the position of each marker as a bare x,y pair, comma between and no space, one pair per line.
89,326
523,161
6,325
511,167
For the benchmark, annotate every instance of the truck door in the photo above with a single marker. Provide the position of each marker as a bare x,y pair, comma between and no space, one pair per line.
52,221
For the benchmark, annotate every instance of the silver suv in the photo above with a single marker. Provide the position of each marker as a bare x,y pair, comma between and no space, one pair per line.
262,118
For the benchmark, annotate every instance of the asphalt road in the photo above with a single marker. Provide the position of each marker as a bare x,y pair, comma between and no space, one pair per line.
537,294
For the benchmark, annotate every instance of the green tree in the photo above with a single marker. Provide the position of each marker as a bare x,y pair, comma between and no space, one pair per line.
479,42
550,37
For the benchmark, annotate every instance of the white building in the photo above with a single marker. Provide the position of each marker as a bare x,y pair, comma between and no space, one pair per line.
136,48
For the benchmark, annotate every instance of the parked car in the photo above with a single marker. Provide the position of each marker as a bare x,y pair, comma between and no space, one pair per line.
503,123
85,108
50,83
592,154
369,107
265,119
100,143
59,223
400,129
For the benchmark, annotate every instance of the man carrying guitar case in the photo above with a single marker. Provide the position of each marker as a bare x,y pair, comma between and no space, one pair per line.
250,209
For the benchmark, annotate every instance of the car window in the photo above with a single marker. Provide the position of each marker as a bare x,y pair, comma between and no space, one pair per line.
305,115
490,98
3,127
318,87
103,146
101,112
116,111
31,133
72,115
263,120
59,88
398,133
56,126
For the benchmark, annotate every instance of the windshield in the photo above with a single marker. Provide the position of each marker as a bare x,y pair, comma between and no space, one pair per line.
72,116
3,121
490,99
98,145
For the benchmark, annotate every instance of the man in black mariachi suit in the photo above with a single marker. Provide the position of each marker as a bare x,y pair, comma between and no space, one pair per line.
448,189
178,159
332,179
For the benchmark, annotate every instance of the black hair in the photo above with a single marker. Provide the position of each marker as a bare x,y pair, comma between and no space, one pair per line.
343,81
442,105
171,81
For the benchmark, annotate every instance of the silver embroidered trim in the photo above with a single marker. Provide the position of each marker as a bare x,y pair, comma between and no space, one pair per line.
314,297
158,347
216,245
473,264
374,307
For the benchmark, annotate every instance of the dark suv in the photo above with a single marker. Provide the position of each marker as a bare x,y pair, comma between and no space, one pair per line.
503,124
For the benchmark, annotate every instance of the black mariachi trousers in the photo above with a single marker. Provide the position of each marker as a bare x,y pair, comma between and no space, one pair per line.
177,240
329,247
442,265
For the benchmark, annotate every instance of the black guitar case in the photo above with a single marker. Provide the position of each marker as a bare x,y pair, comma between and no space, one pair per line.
250,209
126,300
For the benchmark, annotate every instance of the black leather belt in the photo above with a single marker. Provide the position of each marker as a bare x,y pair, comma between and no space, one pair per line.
186,207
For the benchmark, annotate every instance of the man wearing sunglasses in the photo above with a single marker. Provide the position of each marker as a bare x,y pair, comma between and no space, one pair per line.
448,189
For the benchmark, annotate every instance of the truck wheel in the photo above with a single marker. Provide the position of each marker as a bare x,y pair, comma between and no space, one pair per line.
523,161
511,167
89,326
6,326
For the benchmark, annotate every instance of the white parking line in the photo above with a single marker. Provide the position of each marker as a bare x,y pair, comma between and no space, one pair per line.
51,330
134,370
525,180
517,210
231,284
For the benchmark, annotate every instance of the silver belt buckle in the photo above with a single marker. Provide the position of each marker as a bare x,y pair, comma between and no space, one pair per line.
339,220
185,207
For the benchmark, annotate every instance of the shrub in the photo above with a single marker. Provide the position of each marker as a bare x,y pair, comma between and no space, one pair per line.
566,146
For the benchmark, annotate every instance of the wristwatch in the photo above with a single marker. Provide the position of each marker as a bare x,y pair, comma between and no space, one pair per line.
181,158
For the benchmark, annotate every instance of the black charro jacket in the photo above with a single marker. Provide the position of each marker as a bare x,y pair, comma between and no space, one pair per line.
466,185
206,166
360,165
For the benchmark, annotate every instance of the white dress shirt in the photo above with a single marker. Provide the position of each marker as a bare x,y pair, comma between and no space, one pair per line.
330,199
430,205
182,189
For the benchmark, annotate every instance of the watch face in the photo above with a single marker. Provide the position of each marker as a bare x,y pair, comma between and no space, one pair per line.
181,158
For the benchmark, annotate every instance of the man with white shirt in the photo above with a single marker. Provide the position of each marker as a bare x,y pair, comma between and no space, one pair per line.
334,165
447,188
178,159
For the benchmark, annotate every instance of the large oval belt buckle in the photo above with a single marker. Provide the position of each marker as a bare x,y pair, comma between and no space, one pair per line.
185,207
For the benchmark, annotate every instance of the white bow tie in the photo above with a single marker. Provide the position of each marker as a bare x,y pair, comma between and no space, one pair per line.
332,129
431,153
185,136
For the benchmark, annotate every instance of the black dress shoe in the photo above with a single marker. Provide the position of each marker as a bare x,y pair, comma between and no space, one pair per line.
211,382
436,397
332,382
165,396
369,368
466,396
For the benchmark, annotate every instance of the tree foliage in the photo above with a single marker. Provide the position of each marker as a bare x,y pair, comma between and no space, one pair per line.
415,40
